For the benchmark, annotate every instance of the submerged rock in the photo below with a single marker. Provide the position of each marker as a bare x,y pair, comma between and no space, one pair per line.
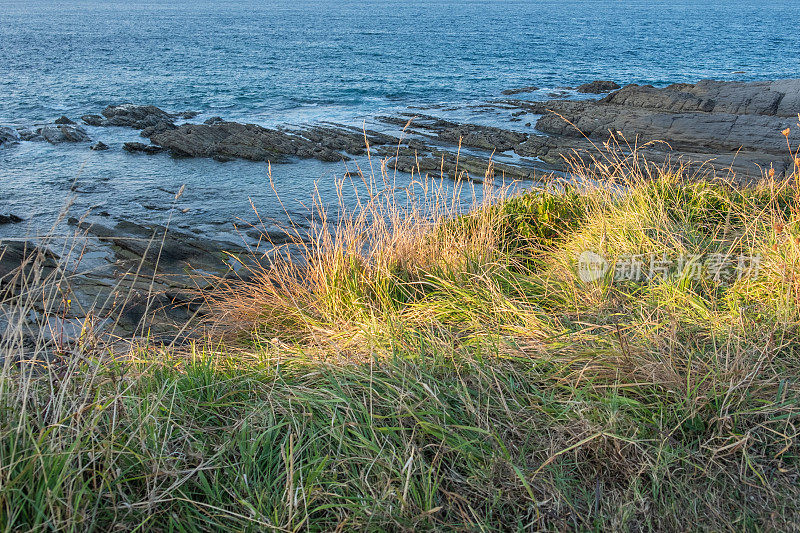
598,87
520,90
99,145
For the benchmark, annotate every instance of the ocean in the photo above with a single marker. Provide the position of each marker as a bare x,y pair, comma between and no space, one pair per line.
294,62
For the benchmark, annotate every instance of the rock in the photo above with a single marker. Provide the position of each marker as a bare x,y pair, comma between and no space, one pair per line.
529,89
9,219
771,98
161,127
93,120
242,141
598,87
141,147
679,117
22,262
99,145
213,120
186,115
471,135
30,134
135,116
732,126
59,133
8,136
63,120
172,250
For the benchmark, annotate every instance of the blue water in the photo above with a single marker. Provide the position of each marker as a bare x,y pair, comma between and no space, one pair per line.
299,61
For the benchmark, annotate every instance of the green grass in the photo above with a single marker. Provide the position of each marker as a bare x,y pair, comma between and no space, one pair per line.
450,376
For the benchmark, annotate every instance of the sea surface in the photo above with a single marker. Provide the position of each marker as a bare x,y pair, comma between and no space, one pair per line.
293,62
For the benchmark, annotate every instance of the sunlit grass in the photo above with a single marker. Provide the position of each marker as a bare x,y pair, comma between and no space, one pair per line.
408,365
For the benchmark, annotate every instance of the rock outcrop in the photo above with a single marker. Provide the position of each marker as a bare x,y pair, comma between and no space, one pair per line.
733,125
93,120
135,116
226,140
60,133
598,87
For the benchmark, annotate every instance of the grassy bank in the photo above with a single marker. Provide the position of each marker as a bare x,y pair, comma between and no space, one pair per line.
424,370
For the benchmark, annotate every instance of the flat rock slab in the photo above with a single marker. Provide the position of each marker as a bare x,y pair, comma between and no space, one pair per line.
734,123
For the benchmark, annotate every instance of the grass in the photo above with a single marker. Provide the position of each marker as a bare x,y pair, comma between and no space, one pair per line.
415,367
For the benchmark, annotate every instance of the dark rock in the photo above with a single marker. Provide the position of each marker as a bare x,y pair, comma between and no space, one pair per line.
186,115
173,251
213,120
10,219
64,120
8,136
135,116
99,145
141,147
529,89
161,127
23,262
59,133
598,87
93,120
30,134
243,141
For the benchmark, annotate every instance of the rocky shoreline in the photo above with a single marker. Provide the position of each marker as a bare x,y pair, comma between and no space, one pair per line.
732,129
